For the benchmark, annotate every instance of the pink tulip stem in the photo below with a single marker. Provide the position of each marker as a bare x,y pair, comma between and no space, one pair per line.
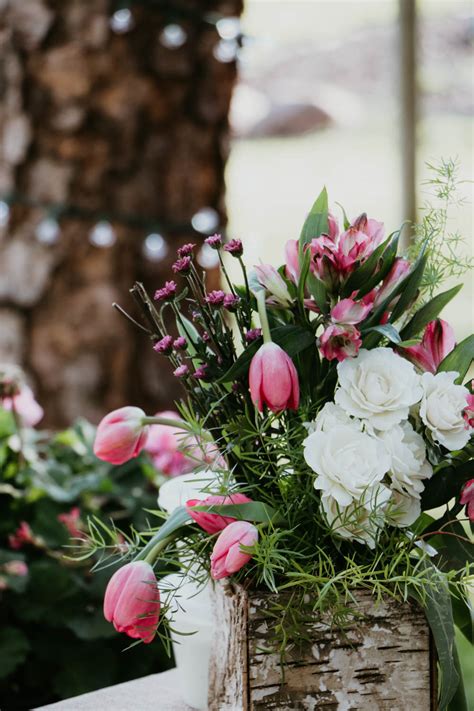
155,551
262,312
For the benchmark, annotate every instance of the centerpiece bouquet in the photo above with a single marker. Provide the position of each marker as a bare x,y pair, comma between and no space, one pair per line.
326,413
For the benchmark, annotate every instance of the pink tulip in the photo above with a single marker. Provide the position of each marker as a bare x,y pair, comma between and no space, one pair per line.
273,379
340,342
25,405
227,556
211,522
292,259
132,601
469,411
121,435
348,311
164,445
467,498
399,270
438,340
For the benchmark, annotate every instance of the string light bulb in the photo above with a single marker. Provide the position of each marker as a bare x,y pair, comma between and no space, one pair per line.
226,51
155,248
229,28
4,213
207,257
173,36
47,231
122,21
102,234
205,220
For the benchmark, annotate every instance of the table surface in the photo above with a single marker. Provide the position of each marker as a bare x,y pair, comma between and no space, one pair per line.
157,692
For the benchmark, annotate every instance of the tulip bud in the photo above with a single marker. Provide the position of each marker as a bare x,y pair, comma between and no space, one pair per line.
273,379
227,556
212,522
121,435
274,284
132,601
467,498
438,340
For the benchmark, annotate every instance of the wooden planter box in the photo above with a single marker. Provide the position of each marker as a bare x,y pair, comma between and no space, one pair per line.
384,660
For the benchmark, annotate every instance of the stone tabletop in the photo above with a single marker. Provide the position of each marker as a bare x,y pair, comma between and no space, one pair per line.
157,692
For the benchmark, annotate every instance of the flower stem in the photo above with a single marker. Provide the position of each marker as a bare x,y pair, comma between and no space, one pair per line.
262,312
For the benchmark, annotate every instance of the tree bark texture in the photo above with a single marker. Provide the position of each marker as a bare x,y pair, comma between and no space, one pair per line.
382,661
107,122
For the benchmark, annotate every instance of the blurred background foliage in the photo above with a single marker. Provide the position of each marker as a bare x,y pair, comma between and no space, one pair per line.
54,640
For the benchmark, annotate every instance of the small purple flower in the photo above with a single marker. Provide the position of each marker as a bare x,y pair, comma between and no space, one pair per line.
205,337
186,250
234,247
253,334
215,241
200,373
231,301
181,371
180,344
196,315
164,345
167,292
182,265
215,298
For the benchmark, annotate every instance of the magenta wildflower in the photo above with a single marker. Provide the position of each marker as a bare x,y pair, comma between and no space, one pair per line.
231,301
186,250
215,241
215,298
167,292
180,344
253,334
181,371
234,247
164,345
182,265
200,373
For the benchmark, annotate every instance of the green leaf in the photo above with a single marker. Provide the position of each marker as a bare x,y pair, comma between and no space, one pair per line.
318,291
438,610
178,518
316,223
387,330
459,359
14,648
190,333
428,312
306,261
7,423
445,485
410,288
254,511
293,340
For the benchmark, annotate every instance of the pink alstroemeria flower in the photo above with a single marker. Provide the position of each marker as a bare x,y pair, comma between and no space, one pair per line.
467,498
340,342
438,340
274,284
292,260
212,522
132,601
351,312
469,411
227,556
273,379
121,435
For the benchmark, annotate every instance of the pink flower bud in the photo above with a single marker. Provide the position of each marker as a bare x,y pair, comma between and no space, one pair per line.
399,270
17,568
121,435
340,342
132,601
274,284
227,556
212,522
467,498
273,379
72,521
22,536
25,406
351,312
438,340
292,268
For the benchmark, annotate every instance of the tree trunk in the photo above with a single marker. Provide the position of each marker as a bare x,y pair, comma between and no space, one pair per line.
112,123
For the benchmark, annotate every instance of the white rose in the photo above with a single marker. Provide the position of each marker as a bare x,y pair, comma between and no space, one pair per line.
328,417
347,462
403,510
378,386
409,466
361,521
442,408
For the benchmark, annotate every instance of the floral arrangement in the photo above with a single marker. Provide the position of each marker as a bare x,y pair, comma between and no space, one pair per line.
51,605
325,402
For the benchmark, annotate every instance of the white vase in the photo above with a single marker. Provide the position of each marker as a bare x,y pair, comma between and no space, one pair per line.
192,616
